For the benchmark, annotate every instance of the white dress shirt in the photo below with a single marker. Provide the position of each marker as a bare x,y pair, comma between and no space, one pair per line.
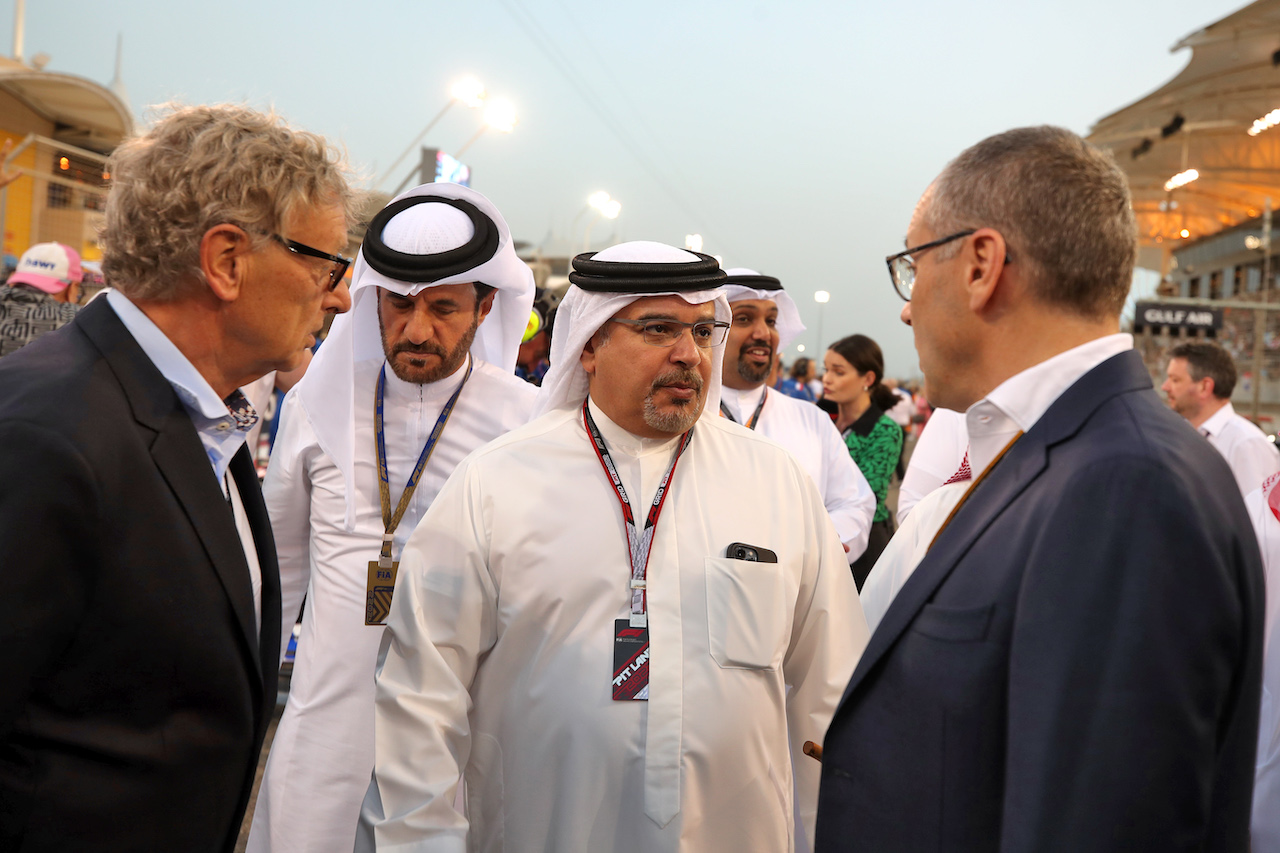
1016,404
1251,456
1265,828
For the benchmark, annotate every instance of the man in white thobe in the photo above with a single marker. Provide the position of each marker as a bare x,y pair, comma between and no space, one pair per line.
940,457
765,319
1198,384
518,641
439,304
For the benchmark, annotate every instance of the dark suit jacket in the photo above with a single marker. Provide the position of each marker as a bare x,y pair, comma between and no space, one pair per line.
1075,665
134,688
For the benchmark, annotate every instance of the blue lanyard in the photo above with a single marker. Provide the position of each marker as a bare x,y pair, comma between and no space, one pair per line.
391,522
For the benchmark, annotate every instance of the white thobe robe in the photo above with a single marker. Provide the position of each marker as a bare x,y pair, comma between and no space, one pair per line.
499,651
322,755
906,549
808,433
1265,828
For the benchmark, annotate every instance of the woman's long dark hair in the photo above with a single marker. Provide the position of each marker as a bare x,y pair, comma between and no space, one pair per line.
864,354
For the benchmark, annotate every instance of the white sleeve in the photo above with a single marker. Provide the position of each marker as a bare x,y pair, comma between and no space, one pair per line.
443,620
827,637
287,493
846,494
1253,461
938,454
1265,829
905,551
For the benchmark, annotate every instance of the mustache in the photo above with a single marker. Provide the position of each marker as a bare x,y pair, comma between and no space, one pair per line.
426,348
679,376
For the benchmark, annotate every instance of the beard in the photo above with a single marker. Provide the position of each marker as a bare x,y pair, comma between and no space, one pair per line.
751,373
450,360
685,412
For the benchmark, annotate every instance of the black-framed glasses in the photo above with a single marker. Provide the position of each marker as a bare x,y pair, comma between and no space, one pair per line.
902,266
340,263
665,333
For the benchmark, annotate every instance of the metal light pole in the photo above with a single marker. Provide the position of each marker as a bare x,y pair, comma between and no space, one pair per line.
821,297
467,91
499,115
1260,316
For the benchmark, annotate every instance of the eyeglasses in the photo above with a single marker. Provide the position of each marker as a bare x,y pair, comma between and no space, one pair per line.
340,263
665,333
902,267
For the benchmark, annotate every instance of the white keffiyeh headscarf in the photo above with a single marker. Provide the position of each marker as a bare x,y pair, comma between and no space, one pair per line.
454,236
595,297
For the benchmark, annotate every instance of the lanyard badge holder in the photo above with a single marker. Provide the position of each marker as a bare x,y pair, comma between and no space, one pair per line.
631,635
382,571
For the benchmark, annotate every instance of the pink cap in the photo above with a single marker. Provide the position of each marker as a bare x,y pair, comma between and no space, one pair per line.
50,267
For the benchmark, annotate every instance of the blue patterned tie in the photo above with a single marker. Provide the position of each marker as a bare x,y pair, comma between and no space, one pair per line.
242,410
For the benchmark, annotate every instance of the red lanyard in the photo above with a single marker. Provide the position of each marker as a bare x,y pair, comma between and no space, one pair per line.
639,542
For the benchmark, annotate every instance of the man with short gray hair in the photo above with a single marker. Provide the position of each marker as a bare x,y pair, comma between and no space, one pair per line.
1075,661
139,595
1198,383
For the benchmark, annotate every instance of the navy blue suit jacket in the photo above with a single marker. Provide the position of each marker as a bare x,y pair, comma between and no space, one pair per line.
1075,665
135,689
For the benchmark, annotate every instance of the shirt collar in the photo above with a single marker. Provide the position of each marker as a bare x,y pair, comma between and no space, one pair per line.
1022,399
192,388
741,403
221,430
1218,421
399,392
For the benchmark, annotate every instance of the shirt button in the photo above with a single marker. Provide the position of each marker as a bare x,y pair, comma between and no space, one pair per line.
223,427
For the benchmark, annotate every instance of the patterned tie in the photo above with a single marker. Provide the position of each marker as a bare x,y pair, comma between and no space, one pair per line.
241,410
964,474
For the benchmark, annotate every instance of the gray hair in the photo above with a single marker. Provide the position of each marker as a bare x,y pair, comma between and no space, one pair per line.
1062,205
199,167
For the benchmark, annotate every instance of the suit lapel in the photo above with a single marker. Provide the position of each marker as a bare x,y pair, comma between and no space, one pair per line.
179,456
1020,467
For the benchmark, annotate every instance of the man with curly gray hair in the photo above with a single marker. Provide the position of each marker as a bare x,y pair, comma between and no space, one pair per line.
139,594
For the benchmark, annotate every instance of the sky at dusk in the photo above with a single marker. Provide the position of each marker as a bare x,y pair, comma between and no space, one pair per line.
795,138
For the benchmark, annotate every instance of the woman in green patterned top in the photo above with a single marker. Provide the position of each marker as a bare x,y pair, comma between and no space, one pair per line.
853,381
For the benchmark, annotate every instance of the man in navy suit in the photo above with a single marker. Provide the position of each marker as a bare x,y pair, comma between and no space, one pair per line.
1075,663
139,595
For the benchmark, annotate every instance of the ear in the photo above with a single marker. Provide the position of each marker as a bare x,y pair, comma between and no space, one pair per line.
223,260
588,357
486,305
984,272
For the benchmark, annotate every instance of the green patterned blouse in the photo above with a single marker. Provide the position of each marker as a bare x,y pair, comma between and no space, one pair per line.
875,443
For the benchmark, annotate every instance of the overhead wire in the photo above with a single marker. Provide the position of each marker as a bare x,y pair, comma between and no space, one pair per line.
563,64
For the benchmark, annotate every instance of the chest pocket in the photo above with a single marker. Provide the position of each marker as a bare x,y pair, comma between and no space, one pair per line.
746,613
